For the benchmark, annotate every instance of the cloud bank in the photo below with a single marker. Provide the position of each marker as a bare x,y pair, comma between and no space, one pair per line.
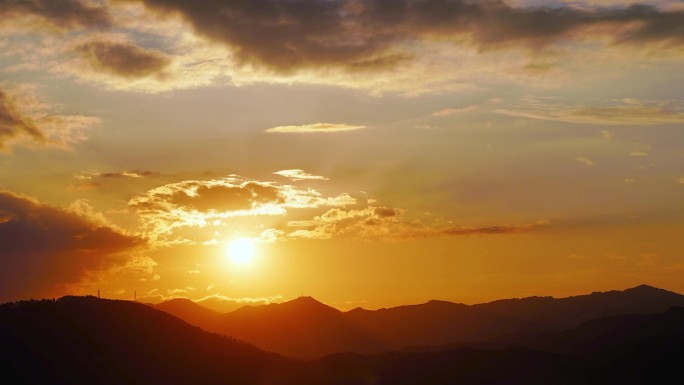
65,14
45,249
289,35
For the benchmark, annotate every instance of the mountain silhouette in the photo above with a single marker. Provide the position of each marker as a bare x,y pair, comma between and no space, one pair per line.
631,349
600,335
548,313
435,323
191,313
305,328
86,340
302,328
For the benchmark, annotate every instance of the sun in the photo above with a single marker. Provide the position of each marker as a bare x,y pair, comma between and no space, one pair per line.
241,251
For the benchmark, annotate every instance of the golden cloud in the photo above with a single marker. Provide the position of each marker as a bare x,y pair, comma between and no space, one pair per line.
375,222
298,174
197,203
314,128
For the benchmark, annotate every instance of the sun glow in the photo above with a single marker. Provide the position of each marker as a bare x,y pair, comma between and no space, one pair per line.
241,251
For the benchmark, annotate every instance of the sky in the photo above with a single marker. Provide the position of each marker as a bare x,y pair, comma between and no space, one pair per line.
368,153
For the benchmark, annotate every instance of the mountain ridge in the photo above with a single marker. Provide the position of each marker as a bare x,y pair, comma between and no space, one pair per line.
322,329
86,340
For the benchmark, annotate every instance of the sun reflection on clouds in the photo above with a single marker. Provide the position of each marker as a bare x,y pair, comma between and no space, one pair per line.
201,203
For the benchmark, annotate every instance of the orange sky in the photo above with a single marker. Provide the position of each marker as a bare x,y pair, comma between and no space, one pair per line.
373,153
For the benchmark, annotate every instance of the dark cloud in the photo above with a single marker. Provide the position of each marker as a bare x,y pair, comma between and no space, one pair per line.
129,174
287,35
497,229
61,13
385,212
122,59
45,248
14,123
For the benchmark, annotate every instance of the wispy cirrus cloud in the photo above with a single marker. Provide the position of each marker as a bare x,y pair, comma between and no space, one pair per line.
586,161
451,111
629,112
27,120
383,223
314,128
88,180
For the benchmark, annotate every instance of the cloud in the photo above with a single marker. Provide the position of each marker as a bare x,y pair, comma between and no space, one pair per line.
14,123
450,111
25,119
94,179
45,249
65,14
631,112
383,223
197,203
297,174
314,128
288,36
122,58
129,174
586,161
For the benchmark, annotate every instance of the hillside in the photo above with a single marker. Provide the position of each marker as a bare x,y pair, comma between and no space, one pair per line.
305,328
86,340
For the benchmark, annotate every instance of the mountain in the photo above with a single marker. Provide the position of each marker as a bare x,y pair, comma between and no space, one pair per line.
305,328
601,335
191,313
221,305
436,323
632,350
86,340
302,328
549,313
440,322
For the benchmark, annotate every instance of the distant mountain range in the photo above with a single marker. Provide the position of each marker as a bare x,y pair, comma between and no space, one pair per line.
305,328
86,340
